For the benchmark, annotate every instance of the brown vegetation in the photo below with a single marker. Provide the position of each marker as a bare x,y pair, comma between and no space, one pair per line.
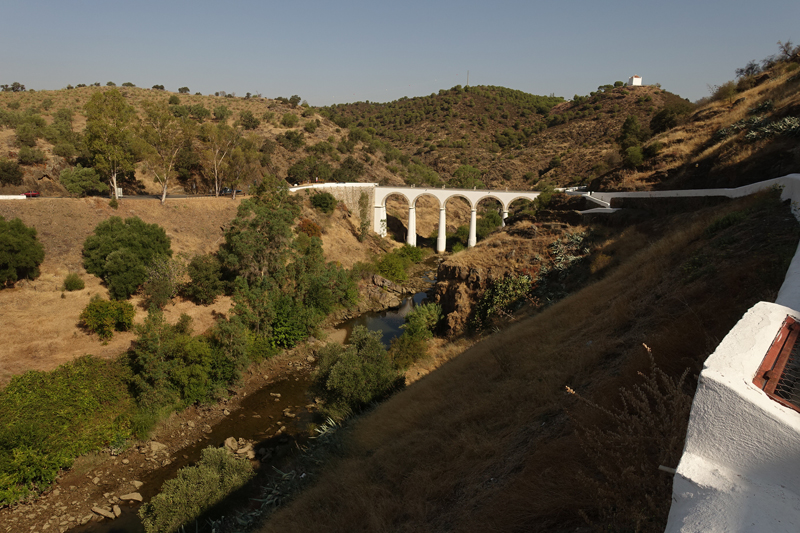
484,443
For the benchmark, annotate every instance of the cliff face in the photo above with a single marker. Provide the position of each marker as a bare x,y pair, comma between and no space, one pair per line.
460,287
525,248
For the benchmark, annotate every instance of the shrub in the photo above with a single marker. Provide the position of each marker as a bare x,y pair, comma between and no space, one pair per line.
82,181
10,173
633,157
174,100
65,150
248,120
20,252
289,120
195,490
350,377
309,227
26,135
291,140
222,113
325,202
652,150
500,298
164,280
73,282
106,316
206,279
310,126
49,418
120,251
30,156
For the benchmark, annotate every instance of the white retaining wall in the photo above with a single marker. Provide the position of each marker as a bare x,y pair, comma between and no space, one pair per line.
12,197
347,193
740,469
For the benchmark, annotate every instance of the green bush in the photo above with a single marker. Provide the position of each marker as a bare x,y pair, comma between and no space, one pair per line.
10,173
20,252
195,490
174,100
248,120
310,126
65,150
73,282
289,120
104,317
49,418
500,298
119,252
26,135
633,157
350,377
325,202
206,279
393,267
291,140
411,346
171,367
222,113
82,181
30,156
164,280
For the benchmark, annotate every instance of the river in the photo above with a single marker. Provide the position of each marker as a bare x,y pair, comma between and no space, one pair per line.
259,416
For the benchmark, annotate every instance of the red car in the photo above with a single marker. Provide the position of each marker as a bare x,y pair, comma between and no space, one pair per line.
31,194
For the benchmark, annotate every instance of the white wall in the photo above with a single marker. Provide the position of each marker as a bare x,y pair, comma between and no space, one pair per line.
740,469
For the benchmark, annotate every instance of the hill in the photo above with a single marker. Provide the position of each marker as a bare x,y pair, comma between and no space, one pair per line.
491,440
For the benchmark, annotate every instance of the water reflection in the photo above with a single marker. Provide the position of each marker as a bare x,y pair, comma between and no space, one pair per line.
388,321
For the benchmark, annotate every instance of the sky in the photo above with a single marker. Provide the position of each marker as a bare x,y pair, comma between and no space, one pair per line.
348,51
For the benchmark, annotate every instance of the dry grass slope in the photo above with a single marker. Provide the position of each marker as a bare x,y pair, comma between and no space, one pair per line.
484,443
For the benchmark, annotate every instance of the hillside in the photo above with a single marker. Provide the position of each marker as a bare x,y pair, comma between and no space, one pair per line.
43,330
491,441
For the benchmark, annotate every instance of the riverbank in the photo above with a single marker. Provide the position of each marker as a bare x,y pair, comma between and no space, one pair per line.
104,481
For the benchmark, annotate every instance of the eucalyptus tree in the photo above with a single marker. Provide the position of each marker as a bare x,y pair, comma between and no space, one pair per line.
217,142
110,124
163,135
245,162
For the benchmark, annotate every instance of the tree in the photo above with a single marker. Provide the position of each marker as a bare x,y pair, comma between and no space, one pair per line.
20,252
350,377
245,162
217,141
206,284
120,252
82,181
467,177
14,87
258,241
248,120
163,135
10,173
222,113
183,90
110,122
294,100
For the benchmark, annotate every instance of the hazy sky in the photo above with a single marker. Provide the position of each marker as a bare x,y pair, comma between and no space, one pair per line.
347,51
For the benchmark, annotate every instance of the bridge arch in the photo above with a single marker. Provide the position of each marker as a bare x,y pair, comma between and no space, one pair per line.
412,194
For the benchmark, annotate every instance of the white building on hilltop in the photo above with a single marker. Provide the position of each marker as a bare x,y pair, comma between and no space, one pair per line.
634,80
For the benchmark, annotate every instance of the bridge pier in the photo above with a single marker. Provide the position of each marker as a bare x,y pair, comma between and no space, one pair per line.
379,222
412,226
473,235
441,239
505,216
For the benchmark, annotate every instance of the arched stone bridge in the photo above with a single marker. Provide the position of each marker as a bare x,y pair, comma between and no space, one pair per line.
412,194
